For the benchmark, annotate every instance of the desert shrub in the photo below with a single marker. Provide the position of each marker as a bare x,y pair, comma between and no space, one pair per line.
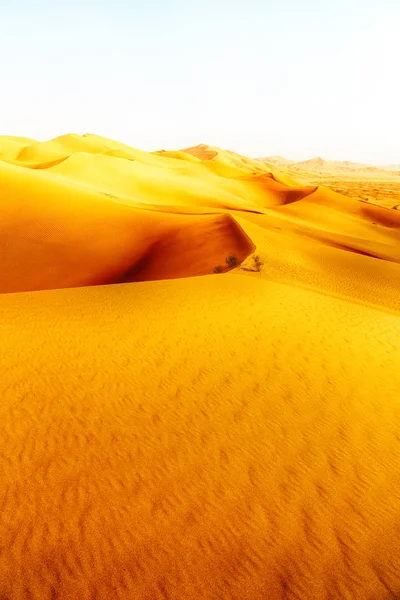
232,261
252,263
218,269
257,263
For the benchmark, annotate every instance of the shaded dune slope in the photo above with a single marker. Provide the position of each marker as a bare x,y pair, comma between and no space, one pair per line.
57,235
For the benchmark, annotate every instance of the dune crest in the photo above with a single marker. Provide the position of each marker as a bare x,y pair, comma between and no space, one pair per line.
86,210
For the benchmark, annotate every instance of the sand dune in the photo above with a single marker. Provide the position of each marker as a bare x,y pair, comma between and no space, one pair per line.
207,436
77,211
276,160
58,234
373,184
320,164
10,147
202,152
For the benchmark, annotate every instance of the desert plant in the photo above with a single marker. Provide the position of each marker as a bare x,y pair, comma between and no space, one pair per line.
218,269
232,261
252,264
257,263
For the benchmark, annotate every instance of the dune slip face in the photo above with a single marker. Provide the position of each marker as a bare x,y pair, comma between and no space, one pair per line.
174,430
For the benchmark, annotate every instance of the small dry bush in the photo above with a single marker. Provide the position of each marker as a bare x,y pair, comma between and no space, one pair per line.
253,264
232,261
257,263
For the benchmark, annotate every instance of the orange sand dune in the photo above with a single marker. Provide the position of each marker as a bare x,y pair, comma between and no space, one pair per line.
208,436
58,235
202,152
85,210
83,218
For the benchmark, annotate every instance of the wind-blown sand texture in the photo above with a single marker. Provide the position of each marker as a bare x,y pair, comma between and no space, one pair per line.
190,435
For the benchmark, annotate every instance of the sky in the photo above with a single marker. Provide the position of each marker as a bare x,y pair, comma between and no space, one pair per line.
295,78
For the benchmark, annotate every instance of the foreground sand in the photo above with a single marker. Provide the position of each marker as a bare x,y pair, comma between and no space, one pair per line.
201,438
228,436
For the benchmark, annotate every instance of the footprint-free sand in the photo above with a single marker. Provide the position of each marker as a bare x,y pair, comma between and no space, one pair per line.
168,432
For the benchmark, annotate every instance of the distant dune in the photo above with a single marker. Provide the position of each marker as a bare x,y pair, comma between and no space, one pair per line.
379,185
276,160
176,428
321,165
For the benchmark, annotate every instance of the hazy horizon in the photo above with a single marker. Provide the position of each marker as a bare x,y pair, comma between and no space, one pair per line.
261,79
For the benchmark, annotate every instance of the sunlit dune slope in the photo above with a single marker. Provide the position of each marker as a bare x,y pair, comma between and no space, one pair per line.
227,157
25,141
65,144
210,438
300,254
276,191
11,147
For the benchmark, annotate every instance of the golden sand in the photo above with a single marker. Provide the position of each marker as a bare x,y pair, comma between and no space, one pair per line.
378,185
191,435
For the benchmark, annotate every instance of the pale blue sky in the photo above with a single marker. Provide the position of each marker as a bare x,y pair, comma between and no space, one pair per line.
297,78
